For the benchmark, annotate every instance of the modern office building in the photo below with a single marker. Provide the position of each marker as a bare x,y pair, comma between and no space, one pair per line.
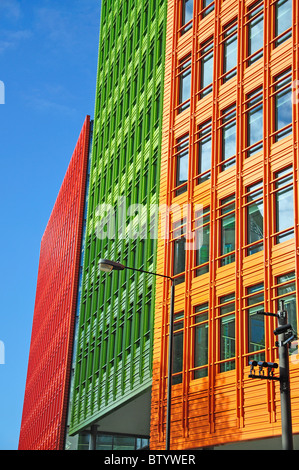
111,394
197,121
229,169
48,376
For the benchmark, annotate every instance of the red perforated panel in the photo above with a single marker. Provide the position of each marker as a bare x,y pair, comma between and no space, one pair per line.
46,392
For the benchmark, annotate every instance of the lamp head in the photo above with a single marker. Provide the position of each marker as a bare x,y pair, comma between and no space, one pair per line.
107,265
282,329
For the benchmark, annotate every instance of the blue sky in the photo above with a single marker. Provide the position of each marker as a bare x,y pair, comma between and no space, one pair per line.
48,64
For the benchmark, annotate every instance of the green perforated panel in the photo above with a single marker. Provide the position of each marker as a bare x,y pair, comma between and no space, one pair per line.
115,325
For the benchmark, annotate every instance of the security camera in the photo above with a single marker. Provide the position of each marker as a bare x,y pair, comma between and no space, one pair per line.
262,364
282,329
272,365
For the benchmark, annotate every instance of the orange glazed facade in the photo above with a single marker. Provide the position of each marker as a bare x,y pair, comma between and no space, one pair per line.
229,173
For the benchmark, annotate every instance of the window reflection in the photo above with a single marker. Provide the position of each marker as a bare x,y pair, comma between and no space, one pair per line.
227,332
201,340
255,121
286,291
283,105
182,162
284,205
255,32
207,6
227,231
283,20
178,343
179,251
120,442
206,67
255,218
204,151
229,130
230,51
184,83
202,253
256,331
187,15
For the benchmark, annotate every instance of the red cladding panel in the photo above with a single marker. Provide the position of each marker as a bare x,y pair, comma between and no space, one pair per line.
47,385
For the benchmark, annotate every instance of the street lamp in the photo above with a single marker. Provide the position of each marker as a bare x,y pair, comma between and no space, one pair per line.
285,334
107,266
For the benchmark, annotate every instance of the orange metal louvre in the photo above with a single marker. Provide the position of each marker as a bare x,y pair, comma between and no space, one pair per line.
224,405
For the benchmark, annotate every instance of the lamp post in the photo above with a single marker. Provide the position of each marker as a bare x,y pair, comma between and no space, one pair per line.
285,394
285,334
107,266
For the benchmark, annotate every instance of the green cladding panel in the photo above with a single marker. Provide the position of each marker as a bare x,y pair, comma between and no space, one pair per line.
115,325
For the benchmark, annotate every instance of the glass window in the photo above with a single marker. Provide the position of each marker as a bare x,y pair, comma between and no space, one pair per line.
284,200
255,322
83,442
187,15
104,442
206,67
201,340
255,218
255,32
179,259
230,51
207,7
227,230
179,241
254,121
283,105
286,291
283,20
184,83
204,151
142,443
182,162
202,253
227,332
178,344
123,443
120,442
228,137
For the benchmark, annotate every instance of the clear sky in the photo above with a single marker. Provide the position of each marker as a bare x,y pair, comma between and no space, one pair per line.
48,65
